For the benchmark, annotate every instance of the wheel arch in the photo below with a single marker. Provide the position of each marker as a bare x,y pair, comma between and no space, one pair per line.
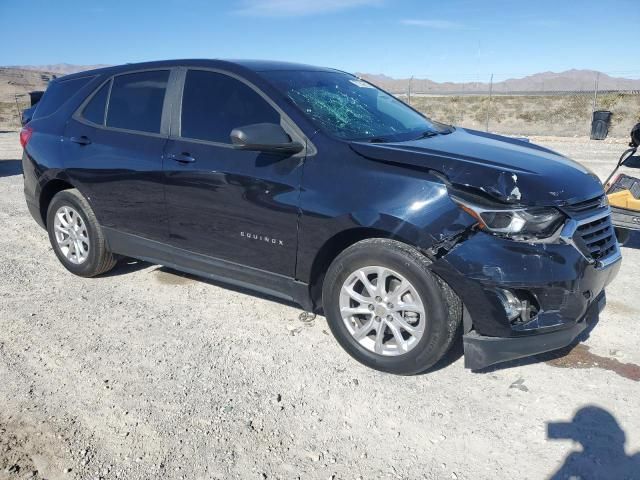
332,248
49,190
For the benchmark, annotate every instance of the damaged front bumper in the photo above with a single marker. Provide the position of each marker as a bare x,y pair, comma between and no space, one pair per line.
481,351
563,285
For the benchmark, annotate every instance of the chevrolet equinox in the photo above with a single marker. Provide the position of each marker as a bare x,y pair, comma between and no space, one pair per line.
314,186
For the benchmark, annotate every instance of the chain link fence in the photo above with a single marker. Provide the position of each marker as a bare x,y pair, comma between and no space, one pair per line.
499,107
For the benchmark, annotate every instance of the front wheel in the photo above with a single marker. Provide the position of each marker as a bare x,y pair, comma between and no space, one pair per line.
387,310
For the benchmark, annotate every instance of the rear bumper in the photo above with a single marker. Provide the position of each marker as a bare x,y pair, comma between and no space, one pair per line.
481,351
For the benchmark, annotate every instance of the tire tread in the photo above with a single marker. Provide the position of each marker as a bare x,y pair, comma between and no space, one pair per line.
105,259
409,255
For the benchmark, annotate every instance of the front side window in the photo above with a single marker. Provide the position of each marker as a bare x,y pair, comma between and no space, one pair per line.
136,101
349,108
95,109
213,104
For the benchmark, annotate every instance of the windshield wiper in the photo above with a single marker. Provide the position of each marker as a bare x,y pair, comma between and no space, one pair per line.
377,140
427,134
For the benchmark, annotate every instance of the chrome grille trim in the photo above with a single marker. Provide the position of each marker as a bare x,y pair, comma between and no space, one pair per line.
590,230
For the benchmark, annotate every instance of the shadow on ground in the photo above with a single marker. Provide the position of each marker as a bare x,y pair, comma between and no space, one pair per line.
169,276
8,168
125,266
453,355
602,441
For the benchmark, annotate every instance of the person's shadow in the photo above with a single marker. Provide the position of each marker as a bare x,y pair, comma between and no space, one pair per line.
603,454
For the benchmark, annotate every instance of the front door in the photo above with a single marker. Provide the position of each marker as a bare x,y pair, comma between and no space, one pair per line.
233,205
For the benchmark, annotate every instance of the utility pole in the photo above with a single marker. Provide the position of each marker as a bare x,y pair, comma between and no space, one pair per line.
489,104
409,91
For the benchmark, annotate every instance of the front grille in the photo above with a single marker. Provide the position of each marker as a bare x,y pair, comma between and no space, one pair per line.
586,207
594,235
598,238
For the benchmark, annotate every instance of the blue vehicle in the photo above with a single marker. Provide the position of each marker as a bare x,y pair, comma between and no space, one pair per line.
311,185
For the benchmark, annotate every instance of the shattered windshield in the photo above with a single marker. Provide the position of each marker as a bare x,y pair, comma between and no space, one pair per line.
349,108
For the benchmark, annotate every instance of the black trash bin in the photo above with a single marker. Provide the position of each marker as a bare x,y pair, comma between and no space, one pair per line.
600,124
35,96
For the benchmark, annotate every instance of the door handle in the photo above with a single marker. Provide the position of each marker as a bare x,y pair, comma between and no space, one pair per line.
182,157
83,140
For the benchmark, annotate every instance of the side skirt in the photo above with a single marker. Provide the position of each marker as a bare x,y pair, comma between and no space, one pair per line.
268,283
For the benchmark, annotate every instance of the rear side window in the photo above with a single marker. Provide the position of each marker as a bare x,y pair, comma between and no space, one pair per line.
136,101
57,94
95,109
213,104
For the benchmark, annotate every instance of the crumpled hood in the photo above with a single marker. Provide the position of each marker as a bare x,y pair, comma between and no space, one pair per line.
510,170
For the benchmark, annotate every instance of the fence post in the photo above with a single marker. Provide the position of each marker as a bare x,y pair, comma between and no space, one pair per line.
489,104
595,99
460,109
595,93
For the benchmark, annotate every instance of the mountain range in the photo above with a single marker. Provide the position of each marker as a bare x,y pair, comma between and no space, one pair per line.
59,68
569,80
22,79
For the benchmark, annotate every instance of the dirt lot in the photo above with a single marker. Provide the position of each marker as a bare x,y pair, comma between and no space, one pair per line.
145,373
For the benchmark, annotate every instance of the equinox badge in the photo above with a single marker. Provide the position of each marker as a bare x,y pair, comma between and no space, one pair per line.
262,238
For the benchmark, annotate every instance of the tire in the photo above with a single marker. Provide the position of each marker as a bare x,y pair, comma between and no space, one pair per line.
93,257
623,235
441,307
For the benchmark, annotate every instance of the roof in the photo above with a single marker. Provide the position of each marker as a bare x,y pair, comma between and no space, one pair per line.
252,65
270,65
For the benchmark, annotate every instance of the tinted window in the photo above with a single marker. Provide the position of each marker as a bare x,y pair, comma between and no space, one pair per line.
58,93
213,104
350,108
136,101
94,110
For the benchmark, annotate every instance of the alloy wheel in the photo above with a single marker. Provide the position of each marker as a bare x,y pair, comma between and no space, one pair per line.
71,235
382,310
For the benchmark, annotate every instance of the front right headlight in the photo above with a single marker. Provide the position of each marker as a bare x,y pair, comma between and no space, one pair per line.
526,224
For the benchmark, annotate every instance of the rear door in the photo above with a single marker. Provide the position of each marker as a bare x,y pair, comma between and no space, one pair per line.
234,205
114,146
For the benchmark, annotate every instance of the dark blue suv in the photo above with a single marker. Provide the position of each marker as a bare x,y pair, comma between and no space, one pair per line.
312,185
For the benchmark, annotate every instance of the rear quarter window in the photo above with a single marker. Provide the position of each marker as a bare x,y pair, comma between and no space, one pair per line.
57,94
94,110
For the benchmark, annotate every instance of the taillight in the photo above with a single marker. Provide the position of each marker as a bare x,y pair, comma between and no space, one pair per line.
25,136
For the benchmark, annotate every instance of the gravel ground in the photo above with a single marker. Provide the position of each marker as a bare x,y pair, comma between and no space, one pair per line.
147,373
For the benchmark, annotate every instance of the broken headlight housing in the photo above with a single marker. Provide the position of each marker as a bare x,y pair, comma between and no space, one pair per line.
525,224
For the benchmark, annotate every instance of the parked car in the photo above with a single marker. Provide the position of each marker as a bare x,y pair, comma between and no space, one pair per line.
27,113
311,185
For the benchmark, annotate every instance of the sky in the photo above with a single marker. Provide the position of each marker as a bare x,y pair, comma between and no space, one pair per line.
452,40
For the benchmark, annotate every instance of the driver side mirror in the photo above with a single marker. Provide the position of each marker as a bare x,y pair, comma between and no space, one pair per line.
264,137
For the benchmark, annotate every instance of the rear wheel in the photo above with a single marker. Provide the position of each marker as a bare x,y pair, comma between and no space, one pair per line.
387,309
76,236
